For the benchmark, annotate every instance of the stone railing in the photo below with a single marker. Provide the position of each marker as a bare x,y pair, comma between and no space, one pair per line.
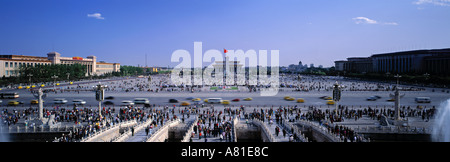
188,134
37,129
94,137
288,125
399,130
264,129
128,133
158,133
324,131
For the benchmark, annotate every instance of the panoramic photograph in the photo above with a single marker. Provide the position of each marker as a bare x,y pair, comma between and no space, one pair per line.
225,71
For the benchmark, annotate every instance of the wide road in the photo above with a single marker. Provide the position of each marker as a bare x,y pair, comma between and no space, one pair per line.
118,89
311,98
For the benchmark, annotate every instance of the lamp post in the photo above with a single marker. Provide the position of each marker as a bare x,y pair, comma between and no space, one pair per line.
54,83
336,95
397,99
30,75
100,96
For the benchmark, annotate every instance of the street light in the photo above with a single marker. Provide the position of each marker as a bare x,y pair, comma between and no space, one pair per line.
100,96
54,83
398,77
30,75
336,95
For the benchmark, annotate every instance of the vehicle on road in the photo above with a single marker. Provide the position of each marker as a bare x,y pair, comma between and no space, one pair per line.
289,99
127,103
300,100
34,102
173,100
197,102
109,98
196,99
9,95
215,100
13,103
236,100
248,99
141,101
423,99
391,100
108,103
78,102
59,101
226,102
330,102
372,98
185,103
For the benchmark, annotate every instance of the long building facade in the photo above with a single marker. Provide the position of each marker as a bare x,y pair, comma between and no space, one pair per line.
10,64
435,61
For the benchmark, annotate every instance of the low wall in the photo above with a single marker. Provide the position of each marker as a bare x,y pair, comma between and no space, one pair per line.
163,133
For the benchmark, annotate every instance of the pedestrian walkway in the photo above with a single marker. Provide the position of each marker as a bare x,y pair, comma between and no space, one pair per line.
141,135
280,137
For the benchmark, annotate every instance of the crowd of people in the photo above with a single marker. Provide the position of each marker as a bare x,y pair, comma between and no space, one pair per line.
214,124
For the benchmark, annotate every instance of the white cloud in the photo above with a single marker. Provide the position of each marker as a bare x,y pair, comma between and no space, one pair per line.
96,15
365,20
390,23
434,2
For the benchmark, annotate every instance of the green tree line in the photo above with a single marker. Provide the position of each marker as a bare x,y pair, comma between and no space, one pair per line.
44,73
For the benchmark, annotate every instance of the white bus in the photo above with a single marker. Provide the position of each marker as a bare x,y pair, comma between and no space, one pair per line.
9,95
214,100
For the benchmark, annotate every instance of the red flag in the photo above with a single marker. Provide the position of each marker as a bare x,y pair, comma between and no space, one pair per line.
225,51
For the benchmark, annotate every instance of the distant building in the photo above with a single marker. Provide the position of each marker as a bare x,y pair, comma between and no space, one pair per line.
10,64
435,61
297,68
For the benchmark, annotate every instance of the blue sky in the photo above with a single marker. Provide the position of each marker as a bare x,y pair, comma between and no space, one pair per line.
311,31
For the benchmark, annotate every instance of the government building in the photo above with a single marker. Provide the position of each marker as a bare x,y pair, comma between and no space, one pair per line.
434,61
10,64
